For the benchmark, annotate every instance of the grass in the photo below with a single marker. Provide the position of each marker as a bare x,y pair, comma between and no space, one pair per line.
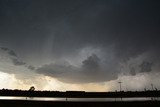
28,103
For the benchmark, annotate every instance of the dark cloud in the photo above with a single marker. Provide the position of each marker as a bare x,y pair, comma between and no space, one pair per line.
10,52
31,67
17,62
12,55
146,66
132,71
47,31
11,63
132,26
91,64
90,71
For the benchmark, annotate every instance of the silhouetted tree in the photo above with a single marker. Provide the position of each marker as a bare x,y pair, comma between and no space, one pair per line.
32,88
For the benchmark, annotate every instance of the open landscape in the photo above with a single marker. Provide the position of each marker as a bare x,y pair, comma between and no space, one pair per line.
22,98
80,53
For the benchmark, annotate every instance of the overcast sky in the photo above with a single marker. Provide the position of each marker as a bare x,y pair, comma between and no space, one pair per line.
81,42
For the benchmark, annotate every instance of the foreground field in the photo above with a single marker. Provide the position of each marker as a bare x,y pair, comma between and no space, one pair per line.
28,103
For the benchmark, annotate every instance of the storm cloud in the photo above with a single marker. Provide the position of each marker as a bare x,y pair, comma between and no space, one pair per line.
12,64
80,41
90,71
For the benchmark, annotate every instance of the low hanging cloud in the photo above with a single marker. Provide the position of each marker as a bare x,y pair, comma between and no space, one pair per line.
6,53
17,62
91,70
132,71
146,66
96,69
31,67
12,64
91,64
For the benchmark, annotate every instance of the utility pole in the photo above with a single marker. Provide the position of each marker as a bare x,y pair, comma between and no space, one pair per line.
152,87
152,98
120,87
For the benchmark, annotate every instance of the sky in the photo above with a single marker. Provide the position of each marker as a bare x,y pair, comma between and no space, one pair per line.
84,45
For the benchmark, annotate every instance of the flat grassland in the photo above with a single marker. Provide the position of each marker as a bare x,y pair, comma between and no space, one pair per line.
28,103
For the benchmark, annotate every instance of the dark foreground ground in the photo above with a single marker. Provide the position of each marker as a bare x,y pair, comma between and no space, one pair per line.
27,103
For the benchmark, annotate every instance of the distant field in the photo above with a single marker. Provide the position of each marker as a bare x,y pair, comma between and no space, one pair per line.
27,103
80,94
151,99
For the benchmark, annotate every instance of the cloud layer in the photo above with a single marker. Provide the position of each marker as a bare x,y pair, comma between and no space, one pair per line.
91,70
79,41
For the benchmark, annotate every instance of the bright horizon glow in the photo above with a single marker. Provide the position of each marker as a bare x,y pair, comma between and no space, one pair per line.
9,81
